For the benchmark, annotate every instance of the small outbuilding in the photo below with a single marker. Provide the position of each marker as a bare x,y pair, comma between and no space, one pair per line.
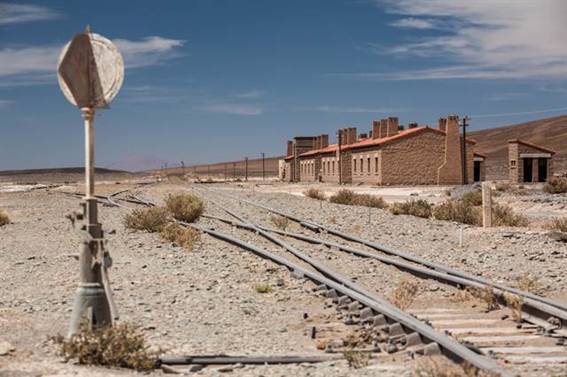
529,162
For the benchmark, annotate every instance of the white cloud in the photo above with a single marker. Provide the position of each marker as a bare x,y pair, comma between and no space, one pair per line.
414,23
235,109
4,103
486,38
342,109
255,93
149,51
20,13
38,64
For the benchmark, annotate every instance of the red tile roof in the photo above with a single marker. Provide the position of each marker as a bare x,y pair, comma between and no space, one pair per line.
532,145
373,142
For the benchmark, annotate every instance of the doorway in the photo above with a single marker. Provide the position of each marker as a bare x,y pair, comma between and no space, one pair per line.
477,171
542,170
528,169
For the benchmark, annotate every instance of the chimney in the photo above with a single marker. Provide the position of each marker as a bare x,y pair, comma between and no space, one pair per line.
362,136
376,129
412,125
383,128
289,148
443,124
352,135
317,143
392,126
324,141
370,134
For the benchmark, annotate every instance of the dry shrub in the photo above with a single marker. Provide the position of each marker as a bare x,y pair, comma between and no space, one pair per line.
503,186
357,359
185,237
314,193
419,208
503,215
557,224
515,303
122,345
185,207
440,366
556,185
457,210
263,288
147,219
349,197
473,198
527,283
281,222
404,294
4,219
487,296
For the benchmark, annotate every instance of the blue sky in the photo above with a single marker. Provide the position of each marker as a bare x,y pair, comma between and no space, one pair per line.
214,80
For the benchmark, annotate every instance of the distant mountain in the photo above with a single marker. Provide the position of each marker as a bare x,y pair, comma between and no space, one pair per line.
550,133
138,162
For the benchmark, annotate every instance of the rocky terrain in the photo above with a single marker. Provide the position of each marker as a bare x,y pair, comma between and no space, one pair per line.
206,302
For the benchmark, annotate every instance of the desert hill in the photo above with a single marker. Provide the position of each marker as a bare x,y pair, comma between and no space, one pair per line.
550,133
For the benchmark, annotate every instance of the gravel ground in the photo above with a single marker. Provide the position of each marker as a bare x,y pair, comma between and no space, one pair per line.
200,302
502,254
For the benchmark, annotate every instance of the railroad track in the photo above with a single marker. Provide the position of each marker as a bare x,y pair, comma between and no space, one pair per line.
538,338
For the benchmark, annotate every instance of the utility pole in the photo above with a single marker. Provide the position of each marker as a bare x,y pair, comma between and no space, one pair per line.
464,149
183,168
234,170
165,170
339,143
246,168
263,166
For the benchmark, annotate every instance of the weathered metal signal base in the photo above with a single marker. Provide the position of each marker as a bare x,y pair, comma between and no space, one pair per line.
94,297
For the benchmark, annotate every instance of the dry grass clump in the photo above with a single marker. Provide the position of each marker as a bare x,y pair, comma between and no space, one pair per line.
147,219
419,208
357,359
556,185
487,296
122,345
503,215
557,224
527,283
473,198
182,236
280,222
459,211
349,197
515,303
440,366
4,219
404,294
314,193
185,207
263,288
503,186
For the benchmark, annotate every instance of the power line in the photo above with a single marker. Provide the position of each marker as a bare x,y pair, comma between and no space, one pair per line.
518,113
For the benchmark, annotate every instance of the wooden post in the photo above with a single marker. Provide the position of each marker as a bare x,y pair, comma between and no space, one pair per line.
486,205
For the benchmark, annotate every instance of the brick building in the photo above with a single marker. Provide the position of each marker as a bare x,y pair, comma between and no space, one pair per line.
529,162
388,154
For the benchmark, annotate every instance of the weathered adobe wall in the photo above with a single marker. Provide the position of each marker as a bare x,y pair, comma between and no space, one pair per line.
330,169
516,174
413,160
363,174
346,166
307,169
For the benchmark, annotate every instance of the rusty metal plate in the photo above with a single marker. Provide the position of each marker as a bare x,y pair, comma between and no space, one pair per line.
91,70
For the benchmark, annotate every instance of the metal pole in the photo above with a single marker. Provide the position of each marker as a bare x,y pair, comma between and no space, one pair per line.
246,167
263,167
183,168
93,296
234,170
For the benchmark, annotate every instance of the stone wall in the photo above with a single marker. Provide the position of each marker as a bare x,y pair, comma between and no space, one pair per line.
330,168
368,166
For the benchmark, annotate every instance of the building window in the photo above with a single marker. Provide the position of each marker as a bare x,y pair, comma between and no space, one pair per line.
513,163
361,166
354,167
368,171
333,167
376,165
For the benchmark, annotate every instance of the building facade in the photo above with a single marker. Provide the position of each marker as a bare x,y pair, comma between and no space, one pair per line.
529,162
390,155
